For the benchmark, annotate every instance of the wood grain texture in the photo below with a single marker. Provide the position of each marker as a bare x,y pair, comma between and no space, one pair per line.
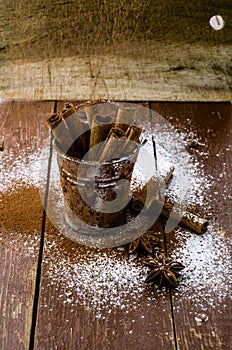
202,308
211,125
20,220
65,323
142,50
71,317
105,314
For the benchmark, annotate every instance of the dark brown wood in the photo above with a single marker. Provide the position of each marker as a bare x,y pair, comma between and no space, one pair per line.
64,322
22,124
150,50
105,313
201,307
210,124
110,314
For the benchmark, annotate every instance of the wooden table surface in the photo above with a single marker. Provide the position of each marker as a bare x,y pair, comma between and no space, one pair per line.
57,294
116,49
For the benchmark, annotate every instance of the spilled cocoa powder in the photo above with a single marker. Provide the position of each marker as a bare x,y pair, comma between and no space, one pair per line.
21,210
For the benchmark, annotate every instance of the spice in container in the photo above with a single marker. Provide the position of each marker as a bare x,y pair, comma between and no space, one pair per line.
90,186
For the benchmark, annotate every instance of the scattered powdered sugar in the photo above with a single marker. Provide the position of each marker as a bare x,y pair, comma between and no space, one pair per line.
105,281
23,169
207,278
98,280
26,245
186,184
108,280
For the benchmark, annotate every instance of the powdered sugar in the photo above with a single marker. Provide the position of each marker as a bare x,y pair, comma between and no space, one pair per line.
107,280
208,267
23,169
98,280
25,244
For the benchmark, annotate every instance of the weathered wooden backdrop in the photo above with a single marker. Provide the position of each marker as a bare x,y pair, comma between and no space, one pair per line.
124,50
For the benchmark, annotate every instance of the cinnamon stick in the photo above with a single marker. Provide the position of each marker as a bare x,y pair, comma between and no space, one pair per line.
78,128
125,116
68,110
60,131
110,148
91,109
153,185
101,126
132,134
70,118
188,219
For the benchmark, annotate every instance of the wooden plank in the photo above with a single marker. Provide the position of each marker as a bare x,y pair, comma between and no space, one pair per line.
115,50
210,125
22,123
201,304
97,299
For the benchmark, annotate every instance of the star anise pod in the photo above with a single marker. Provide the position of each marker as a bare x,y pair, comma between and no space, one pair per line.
163,271
145,243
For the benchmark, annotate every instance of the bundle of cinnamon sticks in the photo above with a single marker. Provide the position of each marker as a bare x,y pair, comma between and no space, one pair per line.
102,131
96,131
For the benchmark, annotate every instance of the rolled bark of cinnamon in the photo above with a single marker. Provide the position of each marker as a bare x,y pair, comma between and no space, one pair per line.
154,185
70,119
78,128
132,134
82,135
60,131
82,142
194,222
68,110
111,149
91,109
188,219
101,126
125,117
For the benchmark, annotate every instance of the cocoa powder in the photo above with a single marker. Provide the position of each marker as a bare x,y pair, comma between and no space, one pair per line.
21,209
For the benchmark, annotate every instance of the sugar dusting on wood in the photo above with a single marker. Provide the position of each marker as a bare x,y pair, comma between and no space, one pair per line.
207,278
99,280
22,170
104,281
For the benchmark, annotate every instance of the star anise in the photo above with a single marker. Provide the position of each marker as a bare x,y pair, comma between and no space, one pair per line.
145,243
163,271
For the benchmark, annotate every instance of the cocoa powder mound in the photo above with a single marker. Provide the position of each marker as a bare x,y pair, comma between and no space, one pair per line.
21,210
